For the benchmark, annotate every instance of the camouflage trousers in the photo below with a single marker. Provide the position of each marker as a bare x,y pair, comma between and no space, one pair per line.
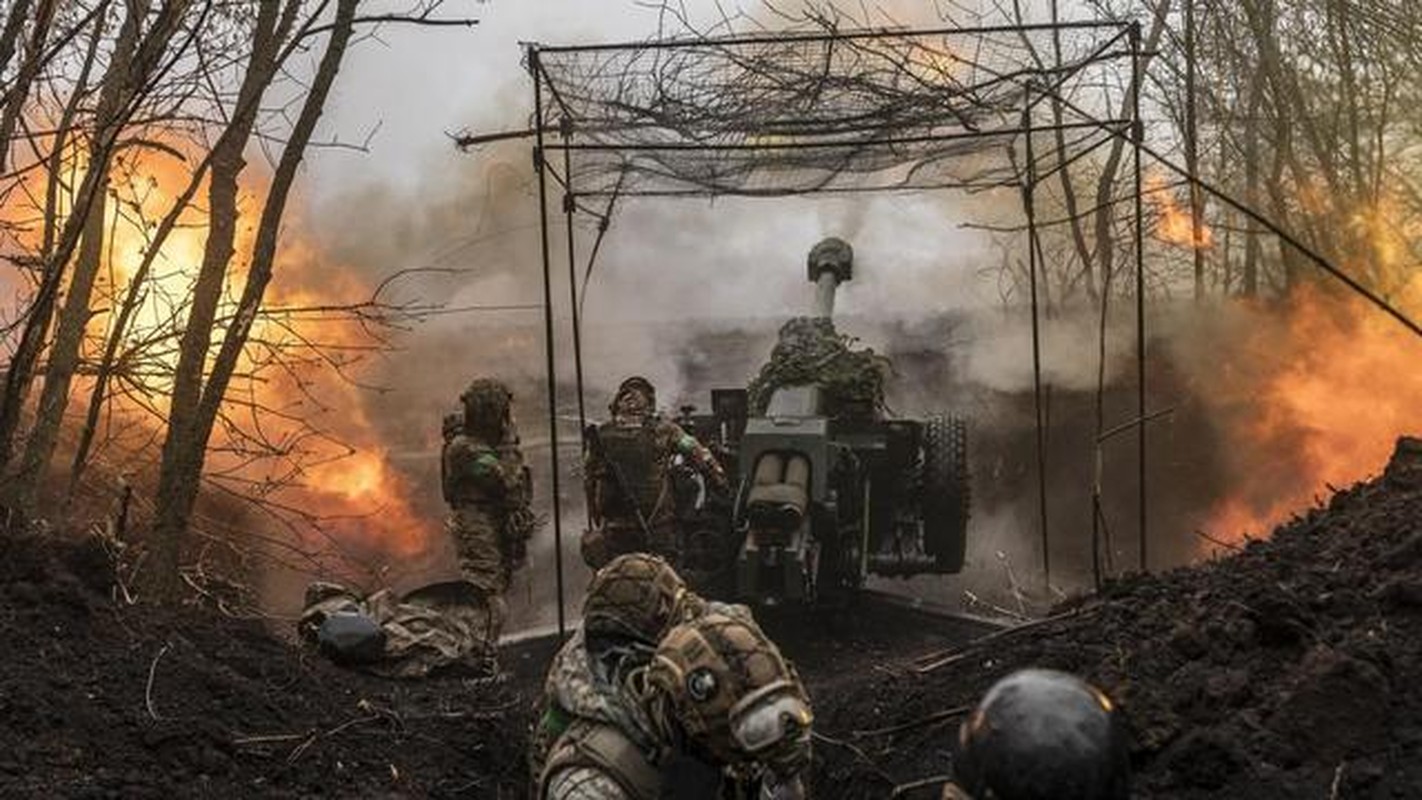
482,561
619,537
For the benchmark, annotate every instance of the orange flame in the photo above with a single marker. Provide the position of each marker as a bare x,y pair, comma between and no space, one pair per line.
1174,223
342,475
1329,397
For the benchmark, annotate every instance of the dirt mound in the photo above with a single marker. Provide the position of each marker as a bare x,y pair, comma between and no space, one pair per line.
102,699
1292,669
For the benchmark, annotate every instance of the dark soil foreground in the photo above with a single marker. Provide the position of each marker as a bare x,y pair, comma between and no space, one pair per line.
100,699
103,699
1292,670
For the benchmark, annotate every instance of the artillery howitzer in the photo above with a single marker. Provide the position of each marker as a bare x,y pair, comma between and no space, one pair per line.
828,489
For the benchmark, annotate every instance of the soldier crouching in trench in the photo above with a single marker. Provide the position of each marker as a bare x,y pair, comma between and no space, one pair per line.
663,694
627,476
488,490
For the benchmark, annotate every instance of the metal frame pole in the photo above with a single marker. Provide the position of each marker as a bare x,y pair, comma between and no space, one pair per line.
569,208
539,165
1138,135
1029,189
1192,152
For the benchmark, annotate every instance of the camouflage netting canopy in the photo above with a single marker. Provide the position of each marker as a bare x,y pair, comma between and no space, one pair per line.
825,108
810,352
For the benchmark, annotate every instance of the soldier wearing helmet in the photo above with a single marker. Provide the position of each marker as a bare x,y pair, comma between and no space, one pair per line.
630,605
488,490
1041,735
717,707
627,476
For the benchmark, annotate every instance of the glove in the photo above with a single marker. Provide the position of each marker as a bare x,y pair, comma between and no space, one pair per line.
791,788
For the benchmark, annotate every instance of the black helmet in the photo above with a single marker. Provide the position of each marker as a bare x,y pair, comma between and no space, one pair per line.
1043,735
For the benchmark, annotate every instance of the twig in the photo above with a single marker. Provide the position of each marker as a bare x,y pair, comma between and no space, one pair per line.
1337,780
301,749
887,670
946,661
905,788
1212,540
148,692
942,658
1008,613
279,737
935,717
1012,583
873,765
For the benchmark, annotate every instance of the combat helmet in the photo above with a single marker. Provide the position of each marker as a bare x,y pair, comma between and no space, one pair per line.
636,383
732,694
636,596
487,409
1043,735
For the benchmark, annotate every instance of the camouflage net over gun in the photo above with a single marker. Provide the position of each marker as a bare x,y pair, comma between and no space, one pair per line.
811,352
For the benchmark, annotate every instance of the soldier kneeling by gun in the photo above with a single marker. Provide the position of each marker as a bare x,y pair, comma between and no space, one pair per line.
1041,735
628,478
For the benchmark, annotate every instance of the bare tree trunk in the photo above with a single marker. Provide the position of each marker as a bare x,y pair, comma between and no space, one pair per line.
1105,251
10,36
185,449
1073,206
63,131
1192,153
133,298
16,94
135,59
41,312
1252,155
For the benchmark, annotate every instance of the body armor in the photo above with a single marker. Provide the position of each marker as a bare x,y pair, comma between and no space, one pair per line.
598,750
641,485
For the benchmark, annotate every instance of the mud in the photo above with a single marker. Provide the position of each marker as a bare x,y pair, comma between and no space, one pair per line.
1292,669
1288,670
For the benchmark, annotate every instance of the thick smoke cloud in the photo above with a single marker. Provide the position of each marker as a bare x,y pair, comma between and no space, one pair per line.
690,294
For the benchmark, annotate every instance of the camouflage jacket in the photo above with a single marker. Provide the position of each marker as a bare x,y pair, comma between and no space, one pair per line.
477,473
582,690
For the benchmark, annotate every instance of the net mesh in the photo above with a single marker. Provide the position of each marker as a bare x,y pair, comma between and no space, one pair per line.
823,112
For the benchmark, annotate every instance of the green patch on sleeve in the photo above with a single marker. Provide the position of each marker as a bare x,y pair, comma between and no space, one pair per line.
485,463
554,721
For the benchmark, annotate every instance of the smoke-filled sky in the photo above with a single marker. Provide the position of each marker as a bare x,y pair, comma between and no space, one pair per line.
414,201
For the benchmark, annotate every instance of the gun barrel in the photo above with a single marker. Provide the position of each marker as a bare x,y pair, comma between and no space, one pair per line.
831,262
826,285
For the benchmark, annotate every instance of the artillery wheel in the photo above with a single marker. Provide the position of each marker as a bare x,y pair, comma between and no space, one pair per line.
944,492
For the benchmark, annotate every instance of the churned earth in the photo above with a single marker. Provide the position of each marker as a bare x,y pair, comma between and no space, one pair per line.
1292,669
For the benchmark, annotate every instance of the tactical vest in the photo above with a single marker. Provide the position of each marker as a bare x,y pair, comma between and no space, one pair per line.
604,748
636,474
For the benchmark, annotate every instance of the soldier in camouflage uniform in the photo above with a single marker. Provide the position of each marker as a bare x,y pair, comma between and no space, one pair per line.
630,605
488,490
627,476
716,713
